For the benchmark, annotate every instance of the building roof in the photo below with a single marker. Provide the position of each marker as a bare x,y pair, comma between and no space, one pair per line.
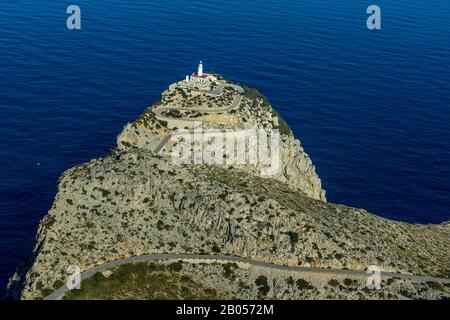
197,76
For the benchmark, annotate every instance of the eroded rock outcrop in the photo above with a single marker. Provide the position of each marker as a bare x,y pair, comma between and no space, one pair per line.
253,112
135,202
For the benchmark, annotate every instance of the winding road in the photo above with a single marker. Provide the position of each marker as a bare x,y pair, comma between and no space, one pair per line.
158,112
215,92
59,293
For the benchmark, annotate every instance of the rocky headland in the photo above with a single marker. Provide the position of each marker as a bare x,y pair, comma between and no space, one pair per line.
136,201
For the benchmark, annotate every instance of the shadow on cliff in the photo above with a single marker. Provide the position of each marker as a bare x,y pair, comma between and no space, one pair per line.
17,283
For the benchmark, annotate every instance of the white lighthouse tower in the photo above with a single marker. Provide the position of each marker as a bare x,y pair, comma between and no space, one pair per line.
200,69
200,78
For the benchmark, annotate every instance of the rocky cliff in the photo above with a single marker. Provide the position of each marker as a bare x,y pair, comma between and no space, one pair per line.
254,112
135,201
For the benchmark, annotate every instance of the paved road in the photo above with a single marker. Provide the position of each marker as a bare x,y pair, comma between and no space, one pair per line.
162,143
216,91
58,294
158,112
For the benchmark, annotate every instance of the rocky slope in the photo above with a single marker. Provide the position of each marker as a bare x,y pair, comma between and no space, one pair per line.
201,280
254,112
135,202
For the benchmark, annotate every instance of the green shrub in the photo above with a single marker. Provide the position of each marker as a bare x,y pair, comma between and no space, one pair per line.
228,270
290,281
302,284
263,287
160,225
176,266
293,236
348,282
333,283
98,277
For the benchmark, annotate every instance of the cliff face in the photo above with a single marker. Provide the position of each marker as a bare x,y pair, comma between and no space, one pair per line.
136,202
133,202
254,112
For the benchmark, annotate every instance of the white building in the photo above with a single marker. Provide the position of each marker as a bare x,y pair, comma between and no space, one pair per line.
200,69
201,77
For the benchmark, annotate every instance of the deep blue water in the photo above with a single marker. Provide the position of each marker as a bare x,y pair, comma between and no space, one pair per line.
372,108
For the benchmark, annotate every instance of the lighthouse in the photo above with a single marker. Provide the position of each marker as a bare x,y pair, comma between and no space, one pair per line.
200,69
200,78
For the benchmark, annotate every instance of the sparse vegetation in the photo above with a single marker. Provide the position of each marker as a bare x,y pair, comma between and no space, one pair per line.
142,203
142,281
